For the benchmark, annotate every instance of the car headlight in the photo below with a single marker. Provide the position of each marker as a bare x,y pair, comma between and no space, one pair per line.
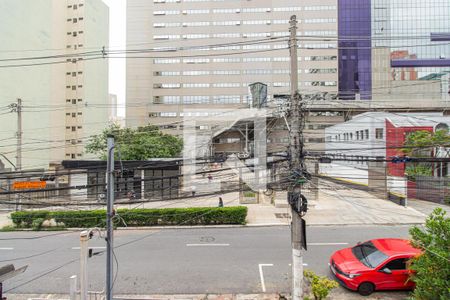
351,276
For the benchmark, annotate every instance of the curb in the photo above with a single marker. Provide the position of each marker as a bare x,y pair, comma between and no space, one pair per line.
211,296
227,226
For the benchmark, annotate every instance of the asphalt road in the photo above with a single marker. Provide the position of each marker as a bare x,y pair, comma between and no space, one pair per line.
182,261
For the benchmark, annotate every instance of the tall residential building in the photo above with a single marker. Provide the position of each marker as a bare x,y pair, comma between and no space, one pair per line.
208,70
64,98
372,32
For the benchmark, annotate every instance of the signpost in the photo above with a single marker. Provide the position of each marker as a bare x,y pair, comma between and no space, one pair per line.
29,185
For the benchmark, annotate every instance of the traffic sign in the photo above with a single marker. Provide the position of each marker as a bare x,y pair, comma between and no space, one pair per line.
29,185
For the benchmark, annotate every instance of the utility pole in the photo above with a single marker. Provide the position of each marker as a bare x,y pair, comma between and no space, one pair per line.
19,135
296,166
109,216
17,107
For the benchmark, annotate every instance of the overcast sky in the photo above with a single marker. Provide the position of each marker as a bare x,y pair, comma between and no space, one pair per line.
117,40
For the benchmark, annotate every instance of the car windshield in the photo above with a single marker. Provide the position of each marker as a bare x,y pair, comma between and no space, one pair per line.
368,254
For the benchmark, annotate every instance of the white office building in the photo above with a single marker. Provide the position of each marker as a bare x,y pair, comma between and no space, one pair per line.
64,98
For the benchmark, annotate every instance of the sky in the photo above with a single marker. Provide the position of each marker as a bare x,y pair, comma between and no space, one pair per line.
117,40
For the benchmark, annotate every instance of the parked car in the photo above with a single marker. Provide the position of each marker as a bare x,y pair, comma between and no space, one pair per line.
380,264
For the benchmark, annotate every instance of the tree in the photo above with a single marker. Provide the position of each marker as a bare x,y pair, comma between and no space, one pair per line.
432,267
136,144
423,144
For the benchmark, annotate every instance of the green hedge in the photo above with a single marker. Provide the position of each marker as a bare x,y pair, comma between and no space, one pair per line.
135,217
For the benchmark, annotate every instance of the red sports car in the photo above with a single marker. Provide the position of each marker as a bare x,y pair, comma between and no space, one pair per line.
379,264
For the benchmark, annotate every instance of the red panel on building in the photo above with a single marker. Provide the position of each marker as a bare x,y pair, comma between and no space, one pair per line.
395,139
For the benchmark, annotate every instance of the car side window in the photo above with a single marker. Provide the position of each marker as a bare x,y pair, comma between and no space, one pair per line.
396,264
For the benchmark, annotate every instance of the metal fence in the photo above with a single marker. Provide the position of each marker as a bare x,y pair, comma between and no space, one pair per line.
434,189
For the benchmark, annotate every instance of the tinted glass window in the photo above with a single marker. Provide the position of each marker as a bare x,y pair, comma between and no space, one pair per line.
396,264
368,254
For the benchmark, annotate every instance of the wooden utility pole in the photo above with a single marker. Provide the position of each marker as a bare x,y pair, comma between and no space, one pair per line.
296,166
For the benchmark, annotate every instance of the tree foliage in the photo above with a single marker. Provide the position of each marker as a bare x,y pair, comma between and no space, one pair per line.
136,144
432,268
421,143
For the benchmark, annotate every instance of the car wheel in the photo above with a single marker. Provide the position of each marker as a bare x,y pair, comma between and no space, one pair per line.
366,288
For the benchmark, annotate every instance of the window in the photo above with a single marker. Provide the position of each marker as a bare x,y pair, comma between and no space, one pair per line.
227,60
195,73
168,114
73,156
257,59
293,8
227,72
257,10
368,254
226,10
196,85
74,128
195,99
396,264
226,23
227,85
195,11
229,140
226,35
257,22
379,133
227,99
366,133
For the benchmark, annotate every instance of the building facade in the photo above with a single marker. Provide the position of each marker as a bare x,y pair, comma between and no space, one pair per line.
222,47
372,32
378,135
64,99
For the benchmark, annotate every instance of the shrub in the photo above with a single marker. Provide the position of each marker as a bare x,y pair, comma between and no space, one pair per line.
320,285
25,218
135,217
432,267
37,223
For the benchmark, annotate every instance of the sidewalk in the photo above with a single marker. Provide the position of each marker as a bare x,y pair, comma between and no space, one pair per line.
336,205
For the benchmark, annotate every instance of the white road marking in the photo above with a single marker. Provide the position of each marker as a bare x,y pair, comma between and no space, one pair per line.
207,245
305,265
78,248
261,275
326,244
7,248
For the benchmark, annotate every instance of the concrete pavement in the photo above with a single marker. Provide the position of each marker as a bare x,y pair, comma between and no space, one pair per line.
187,261
335,205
